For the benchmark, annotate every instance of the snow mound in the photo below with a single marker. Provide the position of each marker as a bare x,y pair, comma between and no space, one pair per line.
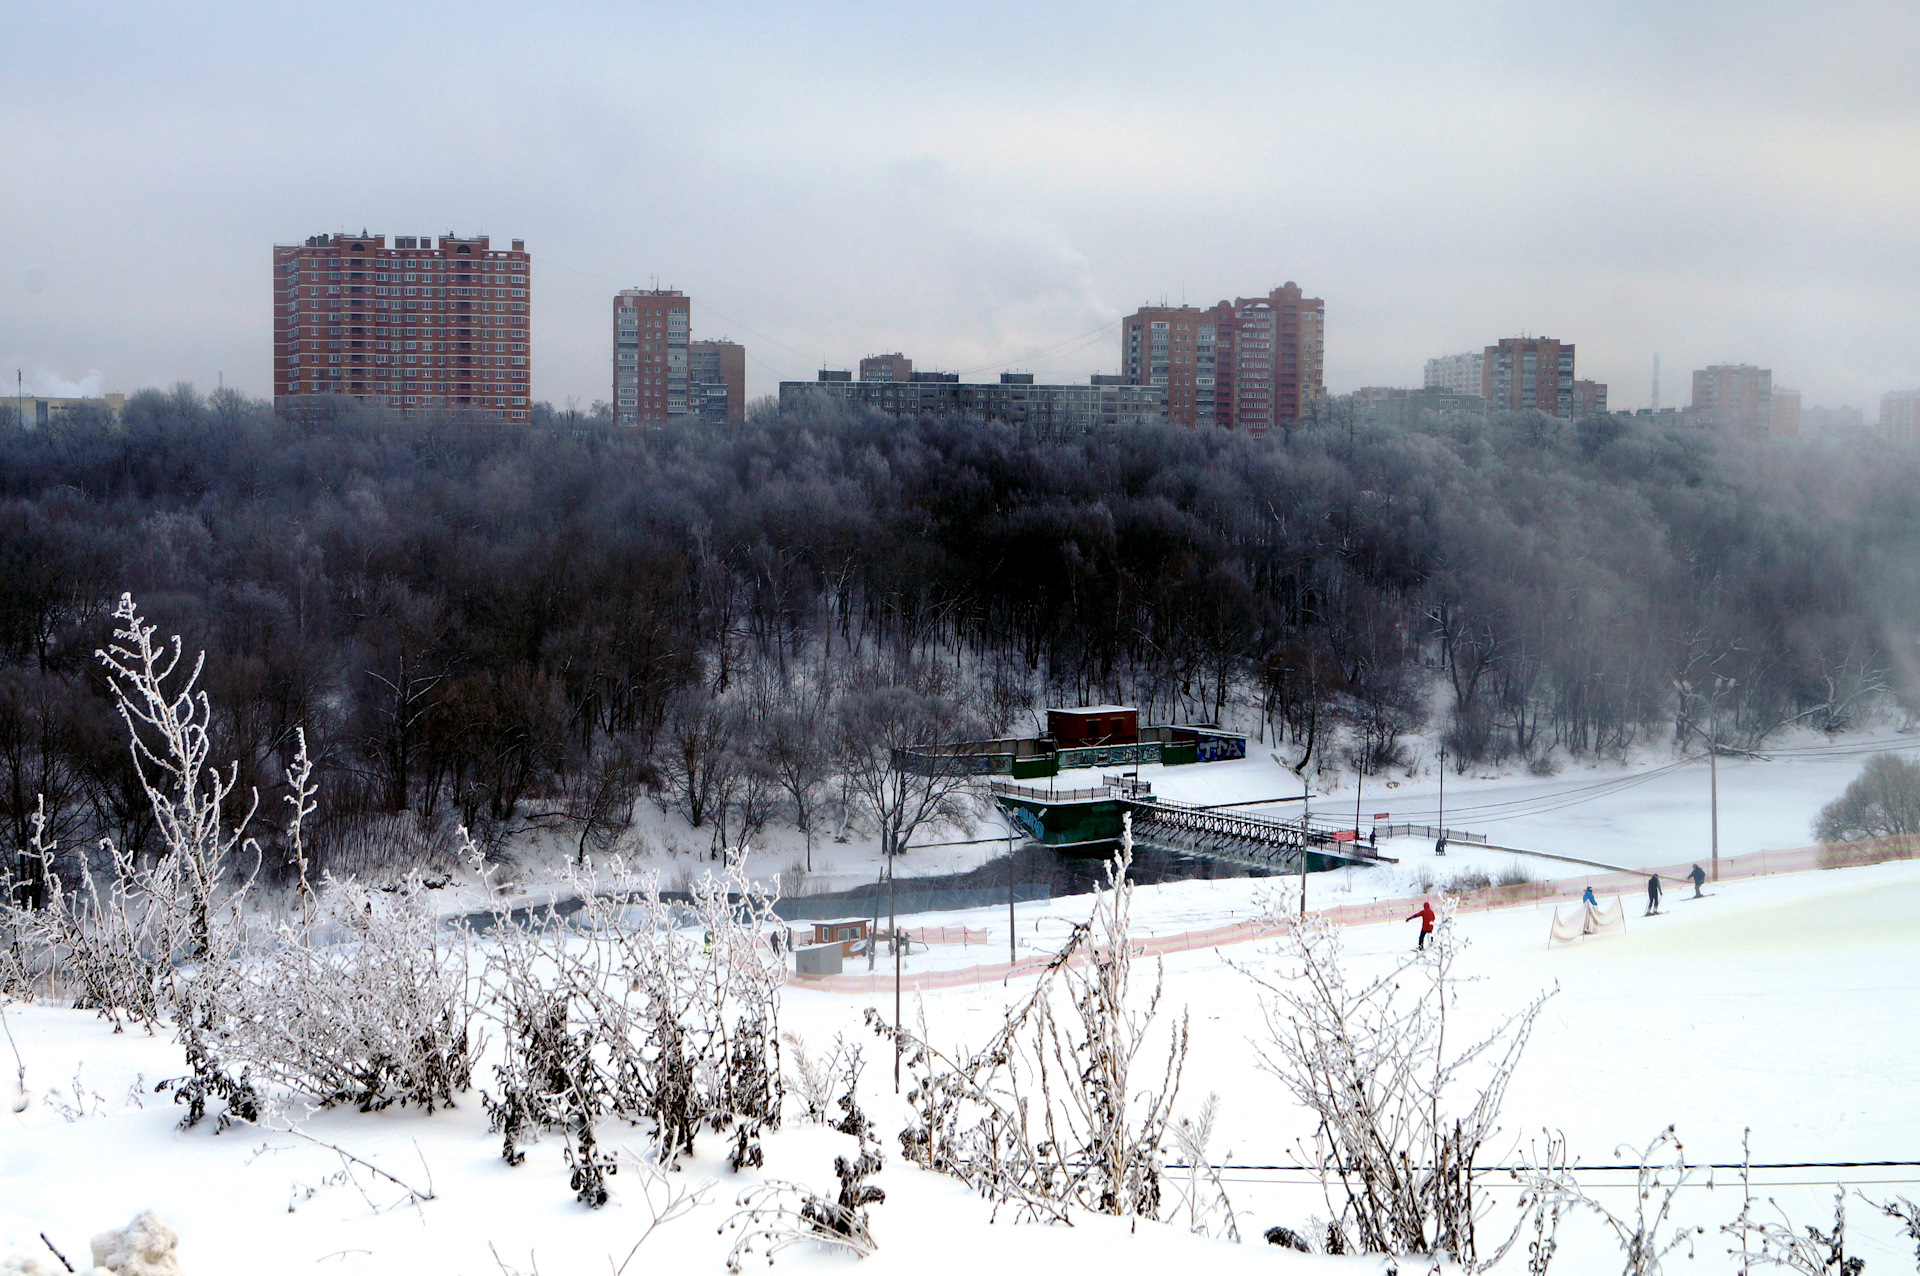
143,1247
17,1266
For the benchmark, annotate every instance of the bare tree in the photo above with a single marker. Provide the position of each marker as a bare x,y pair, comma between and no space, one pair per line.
598,800
795,747
698,762
880,733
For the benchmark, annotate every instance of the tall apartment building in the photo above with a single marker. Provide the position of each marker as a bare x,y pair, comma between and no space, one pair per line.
1737,396
651,329
1900,416
1786,413
1589,399
414,327
1175,348
1247,364
886,367
1529,374
717,381
1456,373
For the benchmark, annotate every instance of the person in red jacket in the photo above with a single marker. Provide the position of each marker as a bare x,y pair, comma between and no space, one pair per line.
1426,922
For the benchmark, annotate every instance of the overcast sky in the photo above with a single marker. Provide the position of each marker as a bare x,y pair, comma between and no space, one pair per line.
987,186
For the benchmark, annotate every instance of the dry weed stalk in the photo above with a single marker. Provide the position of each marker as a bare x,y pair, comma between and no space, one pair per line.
1372,1061
1050,1116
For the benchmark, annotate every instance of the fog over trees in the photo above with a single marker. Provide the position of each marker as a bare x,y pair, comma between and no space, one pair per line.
511,625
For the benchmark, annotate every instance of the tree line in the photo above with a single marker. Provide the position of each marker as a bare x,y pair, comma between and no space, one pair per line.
512,625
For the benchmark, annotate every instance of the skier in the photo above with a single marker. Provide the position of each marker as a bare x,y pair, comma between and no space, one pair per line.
1440,846
1373,839
1426,922
1588,899
1653,894
1699,876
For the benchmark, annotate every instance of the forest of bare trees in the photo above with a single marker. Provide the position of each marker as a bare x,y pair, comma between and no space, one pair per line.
511,626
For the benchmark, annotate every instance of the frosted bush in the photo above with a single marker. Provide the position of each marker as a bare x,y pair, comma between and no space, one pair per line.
653,1012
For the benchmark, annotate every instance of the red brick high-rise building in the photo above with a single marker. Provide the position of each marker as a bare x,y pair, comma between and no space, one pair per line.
415,328
651,329
1246,364
1523,374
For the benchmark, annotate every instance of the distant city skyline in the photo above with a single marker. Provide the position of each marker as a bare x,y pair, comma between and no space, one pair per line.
1455,178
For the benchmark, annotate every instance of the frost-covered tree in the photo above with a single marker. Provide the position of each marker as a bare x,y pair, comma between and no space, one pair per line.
1882,801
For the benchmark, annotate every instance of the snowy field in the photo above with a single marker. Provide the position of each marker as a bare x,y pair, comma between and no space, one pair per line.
1784,1004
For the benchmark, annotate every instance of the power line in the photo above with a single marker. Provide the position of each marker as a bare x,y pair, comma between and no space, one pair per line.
1086,338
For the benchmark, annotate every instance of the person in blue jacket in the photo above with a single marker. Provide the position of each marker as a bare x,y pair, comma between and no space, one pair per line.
1588,898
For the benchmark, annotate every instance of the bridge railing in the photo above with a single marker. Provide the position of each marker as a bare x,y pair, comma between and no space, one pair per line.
1001,788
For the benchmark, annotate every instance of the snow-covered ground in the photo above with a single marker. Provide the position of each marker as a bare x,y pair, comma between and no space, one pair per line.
1785,1004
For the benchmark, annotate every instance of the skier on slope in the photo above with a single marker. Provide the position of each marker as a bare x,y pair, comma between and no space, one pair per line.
1653,894
1698,876
1426,922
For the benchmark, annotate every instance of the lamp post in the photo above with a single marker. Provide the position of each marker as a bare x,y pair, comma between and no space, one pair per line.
1443,790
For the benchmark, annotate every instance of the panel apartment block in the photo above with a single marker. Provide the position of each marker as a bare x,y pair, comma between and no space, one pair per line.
414,327
650,339
1246,364
1060,409
1456,373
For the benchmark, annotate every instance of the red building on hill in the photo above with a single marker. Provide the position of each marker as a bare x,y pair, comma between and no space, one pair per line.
1094,725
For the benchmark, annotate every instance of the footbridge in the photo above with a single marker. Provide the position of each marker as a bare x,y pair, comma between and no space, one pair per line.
1247,839
1090,819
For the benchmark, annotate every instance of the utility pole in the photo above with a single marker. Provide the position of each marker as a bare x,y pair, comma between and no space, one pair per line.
1359,781
1306,793
1713,770
1713,788
1011,957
